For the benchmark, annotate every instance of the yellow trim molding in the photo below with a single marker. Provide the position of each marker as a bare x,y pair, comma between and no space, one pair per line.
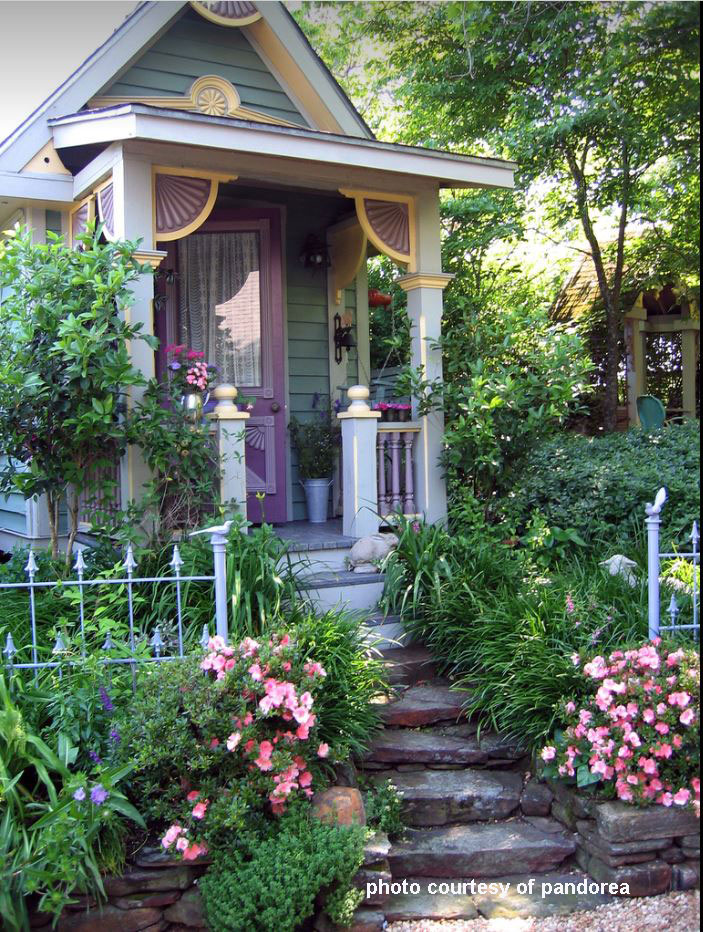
359,196
213,177
210,94
425,280
207,13
347,246
152,257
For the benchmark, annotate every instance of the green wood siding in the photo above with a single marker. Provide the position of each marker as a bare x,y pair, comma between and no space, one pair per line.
193,47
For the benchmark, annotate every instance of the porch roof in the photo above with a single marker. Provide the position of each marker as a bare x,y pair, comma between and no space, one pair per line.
154,124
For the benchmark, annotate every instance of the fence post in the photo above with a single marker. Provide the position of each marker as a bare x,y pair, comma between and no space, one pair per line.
231,431
218,539
653,522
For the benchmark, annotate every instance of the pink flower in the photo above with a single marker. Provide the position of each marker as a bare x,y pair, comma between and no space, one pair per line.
687,716
570,607
585,716
193,852
682,797
193,795
171,835
265,749
323,750
576,660
662,728
199,809
681,699
233,740
263,763
570,708
302,732
649,716
182,844
666,799
548,753
255,673
305,778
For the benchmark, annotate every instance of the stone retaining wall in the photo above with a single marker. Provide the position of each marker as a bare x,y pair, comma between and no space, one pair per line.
654,850
155,893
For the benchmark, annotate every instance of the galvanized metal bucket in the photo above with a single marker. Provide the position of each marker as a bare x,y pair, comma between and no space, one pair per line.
317,497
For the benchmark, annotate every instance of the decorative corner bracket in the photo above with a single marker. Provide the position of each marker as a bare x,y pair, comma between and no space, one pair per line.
227,12
182,199
388,220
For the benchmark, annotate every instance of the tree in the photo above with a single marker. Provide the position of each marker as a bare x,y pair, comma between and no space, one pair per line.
597,102
64,366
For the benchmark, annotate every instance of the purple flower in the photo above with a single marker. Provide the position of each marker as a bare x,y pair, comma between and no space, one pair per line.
106,701
115,736
79,795
95,757
98,794
174,366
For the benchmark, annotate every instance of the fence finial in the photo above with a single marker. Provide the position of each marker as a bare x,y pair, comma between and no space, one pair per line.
130,564
79,565
205,637
9,650
108,644
157,642
695,536
674,609
59,645
31,566
176,562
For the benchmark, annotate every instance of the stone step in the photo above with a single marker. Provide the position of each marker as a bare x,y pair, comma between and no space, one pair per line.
479,850
433,746
405,666
424,705
412,906
437,797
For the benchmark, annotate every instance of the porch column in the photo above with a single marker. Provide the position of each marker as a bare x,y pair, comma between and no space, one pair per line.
133,220
424,288
231,437
360,490
636,349
690,336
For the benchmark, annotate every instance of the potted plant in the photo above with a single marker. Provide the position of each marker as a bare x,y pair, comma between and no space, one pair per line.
400,411
192,377
316,443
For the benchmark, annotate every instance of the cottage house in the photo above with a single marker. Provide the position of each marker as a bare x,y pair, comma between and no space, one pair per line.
213,133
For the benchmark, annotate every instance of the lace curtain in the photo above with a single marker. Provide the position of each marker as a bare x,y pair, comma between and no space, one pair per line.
219,302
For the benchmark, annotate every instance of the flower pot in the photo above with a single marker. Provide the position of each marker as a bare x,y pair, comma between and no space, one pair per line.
402,414
316,497
193,403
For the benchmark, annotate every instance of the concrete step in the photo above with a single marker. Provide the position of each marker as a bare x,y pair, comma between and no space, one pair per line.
479,850
406,666
344,590
438,797
425,704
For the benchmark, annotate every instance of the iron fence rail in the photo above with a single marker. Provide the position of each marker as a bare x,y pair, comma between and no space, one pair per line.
654,558
218,542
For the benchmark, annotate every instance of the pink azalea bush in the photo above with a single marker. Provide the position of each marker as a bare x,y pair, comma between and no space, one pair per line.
267,746
637,734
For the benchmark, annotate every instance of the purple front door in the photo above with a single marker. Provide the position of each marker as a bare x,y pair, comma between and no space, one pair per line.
226,300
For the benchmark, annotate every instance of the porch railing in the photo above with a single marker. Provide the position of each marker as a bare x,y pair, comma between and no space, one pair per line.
395,463
654,557
12,655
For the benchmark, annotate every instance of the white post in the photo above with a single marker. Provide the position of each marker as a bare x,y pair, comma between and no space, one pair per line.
424,286
230,443
219,555
360,491
653,522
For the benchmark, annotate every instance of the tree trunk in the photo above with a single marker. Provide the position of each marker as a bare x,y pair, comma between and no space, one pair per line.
53,507
73,511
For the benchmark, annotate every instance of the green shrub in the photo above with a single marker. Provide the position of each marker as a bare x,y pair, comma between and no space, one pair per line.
271,882
599,485
384,808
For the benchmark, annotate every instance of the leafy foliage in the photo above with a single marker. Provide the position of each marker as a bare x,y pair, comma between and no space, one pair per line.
64,365
316,441
271,882
599,485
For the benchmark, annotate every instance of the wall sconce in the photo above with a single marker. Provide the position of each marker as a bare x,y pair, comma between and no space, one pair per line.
314,254
342,338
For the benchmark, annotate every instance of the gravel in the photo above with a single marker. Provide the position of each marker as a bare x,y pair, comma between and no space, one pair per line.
673,912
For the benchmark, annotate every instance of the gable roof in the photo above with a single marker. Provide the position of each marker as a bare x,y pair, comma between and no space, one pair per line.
275,31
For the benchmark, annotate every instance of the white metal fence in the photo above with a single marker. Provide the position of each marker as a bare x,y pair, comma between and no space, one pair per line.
654,558
110,651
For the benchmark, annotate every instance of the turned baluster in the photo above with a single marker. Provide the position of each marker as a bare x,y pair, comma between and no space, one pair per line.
409,498
396,498
382,489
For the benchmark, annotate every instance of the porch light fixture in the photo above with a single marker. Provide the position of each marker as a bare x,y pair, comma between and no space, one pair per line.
314,254
342,338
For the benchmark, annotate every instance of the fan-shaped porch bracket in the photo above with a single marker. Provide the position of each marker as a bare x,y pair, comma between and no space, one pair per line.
347,245
388,220
81,214
182,199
